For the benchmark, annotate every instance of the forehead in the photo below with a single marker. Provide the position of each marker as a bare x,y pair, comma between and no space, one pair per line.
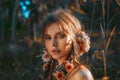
53,29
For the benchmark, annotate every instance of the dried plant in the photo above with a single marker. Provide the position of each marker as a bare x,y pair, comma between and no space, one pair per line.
105,35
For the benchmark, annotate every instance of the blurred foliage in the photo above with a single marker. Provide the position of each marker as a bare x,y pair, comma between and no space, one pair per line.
20,58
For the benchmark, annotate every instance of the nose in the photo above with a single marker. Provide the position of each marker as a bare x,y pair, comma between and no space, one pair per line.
55,44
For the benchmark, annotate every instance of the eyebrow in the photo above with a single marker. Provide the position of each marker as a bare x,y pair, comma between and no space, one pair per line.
55,34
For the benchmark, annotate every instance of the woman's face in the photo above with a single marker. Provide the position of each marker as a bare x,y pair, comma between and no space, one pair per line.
57,43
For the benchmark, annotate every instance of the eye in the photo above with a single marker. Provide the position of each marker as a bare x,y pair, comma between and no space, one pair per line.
47,37
61,36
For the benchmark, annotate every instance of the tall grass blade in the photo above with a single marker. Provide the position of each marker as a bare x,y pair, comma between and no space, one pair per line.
109,38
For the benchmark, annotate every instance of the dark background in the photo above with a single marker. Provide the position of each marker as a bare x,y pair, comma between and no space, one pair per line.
20,41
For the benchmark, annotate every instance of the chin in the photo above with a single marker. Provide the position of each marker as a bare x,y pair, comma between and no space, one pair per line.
55,57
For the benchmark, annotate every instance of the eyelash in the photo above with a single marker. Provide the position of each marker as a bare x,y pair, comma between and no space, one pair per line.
47,38
61,36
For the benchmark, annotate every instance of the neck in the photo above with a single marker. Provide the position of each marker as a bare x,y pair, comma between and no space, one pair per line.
61,60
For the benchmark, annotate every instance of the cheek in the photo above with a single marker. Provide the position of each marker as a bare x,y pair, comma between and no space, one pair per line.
66,46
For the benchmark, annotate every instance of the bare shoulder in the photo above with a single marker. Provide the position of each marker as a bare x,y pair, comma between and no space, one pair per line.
82,74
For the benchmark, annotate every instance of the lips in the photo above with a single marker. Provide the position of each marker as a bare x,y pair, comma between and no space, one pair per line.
55,51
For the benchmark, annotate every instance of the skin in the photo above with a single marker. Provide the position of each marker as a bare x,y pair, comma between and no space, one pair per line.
57,43
82,74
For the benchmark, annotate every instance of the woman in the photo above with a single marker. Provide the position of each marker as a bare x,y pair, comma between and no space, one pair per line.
64,43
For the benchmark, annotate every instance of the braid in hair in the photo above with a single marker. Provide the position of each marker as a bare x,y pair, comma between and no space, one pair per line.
49,69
